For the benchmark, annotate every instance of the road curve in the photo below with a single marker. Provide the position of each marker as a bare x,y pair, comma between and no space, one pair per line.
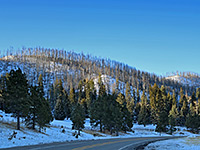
106,144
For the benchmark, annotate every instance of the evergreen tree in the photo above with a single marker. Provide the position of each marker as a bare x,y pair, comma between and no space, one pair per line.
98,108
62,104
117,117
162,120
127,119
198,99
192,120
78,118
174,102
181,94
173,114
17,94
193,99
144,117
153,102
183,112
130,101
40,112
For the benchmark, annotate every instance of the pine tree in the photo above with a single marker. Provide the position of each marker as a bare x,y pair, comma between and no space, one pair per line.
144,117
183,112
62,105
173,114
17,94
153,102
181,98
127,118
198,98
78,118
174,102
40,112
192,120
130,101
193,99
117,117
162,120
97,109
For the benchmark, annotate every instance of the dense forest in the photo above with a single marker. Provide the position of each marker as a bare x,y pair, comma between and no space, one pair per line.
41,84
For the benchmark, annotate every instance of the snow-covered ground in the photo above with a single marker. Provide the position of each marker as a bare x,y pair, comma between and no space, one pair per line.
60,131
189,143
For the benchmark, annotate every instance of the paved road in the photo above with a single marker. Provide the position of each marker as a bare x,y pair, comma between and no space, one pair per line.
108,144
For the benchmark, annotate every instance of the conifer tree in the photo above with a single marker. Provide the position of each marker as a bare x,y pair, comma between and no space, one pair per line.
129,99
40,112
181,98
174,102
162,120
78,118
183,112
198,99
62,104
193,99
117,117
153,102
17,94
127,118
144,117
173,114
192,120
98,107
169,102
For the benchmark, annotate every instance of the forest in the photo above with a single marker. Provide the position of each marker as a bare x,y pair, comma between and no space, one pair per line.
42,84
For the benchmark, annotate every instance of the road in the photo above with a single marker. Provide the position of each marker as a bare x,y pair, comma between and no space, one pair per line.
107,144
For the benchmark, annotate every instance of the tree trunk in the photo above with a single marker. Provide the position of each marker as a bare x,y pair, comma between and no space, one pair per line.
33,121
117,132
100,127
79,133
18,122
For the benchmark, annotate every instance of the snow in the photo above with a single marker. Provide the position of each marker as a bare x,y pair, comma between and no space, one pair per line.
191,81
60,131
187,143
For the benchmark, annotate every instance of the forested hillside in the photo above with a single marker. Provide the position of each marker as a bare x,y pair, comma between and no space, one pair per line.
72,68
42,84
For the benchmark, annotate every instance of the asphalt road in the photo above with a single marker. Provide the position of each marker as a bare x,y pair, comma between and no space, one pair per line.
107,144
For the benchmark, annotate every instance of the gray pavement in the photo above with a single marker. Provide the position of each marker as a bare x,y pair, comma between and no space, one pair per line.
107,144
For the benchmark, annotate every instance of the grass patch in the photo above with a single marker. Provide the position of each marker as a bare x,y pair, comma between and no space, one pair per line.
94,133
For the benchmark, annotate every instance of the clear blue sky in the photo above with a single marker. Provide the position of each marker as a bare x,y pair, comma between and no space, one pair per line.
153,35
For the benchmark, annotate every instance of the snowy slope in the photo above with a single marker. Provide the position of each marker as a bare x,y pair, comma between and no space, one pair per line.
186,80
60,131
189,143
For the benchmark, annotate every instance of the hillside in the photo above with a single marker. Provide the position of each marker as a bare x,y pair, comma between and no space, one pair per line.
188,80
72,68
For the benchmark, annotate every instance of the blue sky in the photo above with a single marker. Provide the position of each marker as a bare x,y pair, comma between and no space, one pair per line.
153,35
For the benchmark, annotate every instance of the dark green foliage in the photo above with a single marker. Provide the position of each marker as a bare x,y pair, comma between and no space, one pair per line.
162,114
153,102
181,99
130,101
62,108
193,99
40,112
174,102
192,120
144,116
17,94
127,122
183,112
173,115
97,110
78,118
